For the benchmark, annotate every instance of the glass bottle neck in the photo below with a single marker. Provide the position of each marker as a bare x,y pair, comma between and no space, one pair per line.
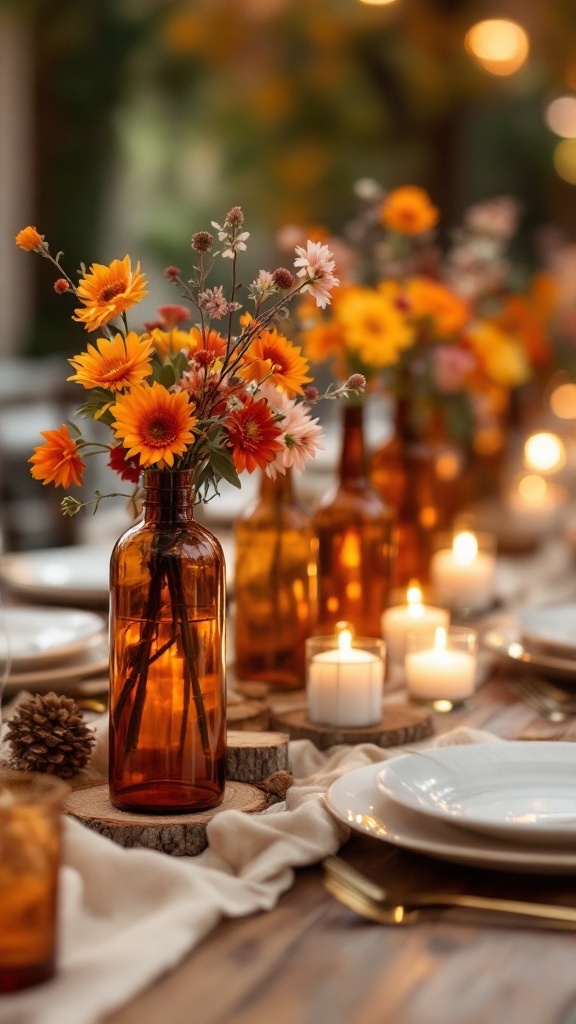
168,496
353,467
279,490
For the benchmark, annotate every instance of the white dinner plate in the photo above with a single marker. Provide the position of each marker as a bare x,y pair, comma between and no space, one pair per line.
553,628
37,637
520,791
87,672
507,641
357,800
71,575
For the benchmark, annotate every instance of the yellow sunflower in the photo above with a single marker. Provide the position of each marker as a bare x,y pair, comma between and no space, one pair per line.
409,211
154,424
108,291
374,328
273,357
114,364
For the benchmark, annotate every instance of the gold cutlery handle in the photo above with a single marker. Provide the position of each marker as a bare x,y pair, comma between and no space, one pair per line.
515,908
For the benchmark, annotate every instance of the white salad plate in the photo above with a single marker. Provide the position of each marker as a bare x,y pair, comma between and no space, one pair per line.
71,575
553,628
357,800
523,792
37,637
508,642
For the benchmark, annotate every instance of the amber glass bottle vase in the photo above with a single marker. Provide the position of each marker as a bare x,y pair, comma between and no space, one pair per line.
275,587
356,541
167,666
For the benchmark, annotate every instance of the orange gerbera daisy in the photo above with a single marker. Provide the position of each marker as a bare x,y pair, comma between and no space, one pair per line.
29,239
408,210
429,299
108,291
114,364
154,424
253,436
272,356
209,340
57,461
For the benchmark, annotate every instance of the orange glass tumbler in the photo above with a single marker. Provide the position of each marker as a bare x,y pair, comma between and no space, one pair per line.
30,828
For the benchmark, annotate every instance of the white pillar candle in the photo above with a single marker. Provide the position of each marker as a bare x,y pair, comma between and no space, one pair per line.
345,686
440,673
463,575
404,618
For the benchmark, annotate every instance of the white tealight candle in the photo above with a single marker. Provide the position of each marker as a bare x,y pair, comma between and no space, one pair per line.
463,575
404,618
345,685
440,672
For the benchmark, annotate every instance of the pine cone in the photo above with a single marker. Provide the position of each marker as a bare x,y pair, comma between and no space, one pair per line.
47,734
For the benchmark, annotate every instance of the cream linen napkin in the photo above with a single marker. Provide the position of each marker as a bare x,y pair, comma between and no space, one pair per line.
128,915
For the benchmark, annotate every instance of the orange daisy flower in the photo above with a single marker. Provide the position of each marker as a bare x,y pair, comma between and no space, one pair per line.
429,299
29,239
154,424
108,291
408,210
57,461
271,355
210,341
253,436
114,364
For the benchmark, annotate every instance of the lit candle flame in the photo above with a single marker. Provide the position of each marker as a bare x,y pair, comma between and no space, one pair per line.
544,451
465,548
440,639
345,640
414,594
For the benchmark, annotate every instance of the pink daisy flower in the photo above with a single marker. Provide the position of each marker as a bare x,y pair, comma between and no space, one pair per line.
317,263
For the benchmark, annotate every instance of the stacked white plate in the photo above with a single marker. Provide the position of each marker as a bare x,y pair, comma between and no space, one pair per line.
508,805
543,638
76,575
61,649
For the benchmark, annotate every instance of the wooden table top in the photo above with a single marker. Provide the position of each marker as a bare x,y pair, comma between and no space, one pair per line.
312,961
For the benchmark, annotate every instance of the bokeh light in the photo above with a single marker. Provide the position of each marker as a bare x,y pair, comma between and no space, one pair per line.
377,3
499,45
563,401
561,116
565,160
544,451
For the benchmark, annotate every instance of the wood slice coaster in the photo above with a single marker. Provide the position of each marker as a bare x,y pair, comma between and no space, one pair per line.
253,756
246,714
399,725
176,834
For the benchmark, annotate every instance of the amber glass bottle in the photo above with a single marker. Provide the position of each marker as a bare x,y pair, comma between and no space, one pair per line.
423,478
356,541
167,667
275,587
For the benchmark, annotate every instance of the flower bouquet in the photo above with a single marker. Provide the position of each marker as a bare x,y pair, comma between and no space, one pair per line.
188,405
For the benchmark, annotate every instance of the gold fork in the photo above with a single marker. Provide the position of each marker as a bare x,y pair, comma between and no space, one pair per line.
372,901
555,704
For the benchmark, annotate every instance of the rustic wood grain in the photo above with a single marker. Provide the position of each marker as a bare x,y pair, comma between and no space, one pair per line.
399,725
253,756
247,714
177,834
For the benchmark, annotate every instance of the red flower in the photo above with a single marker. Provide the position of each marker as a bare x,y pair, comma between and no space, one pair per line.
127,469
253,436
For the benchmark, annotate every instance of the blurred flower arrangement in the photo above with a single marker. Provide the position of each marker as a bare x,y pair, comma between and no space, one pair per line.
447,332
190,397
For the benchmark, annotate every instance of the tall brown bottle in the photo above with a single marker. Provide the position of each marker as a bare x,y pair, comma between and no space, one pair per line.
275,586
356,541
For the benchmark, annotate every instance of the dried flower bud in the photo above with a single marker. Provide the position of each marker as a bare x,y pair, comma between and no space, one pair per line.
30,240
203,357
69,505
235,217
311,394
61,285
283,278
173,273
356,383
202,241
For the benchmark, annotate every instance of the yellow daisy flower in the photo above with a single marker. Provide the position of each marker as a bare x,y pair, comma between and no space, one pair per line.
108,291
114,364
154,424
373,326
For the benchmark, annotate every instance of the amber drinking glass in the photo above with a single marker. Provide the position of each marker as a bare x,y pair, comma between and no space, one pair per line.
30,824
167,670
275,587
356,541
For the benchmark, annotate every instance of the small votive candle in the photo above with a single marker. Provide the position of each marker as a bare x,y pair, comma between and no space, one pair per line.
440,664
462,570
345,680
402,618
